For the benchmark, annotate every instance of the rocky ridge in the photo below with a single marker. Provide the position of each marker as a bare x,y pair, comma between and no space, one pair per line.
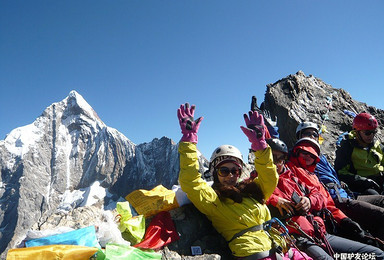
298,98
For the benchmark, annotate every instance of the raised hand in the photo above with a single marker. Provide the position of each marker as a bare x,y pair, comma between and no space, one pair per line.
255,130
188,125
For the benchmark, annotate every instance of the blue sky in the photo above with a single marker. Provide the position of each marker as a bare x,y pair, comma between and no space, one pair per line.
135,62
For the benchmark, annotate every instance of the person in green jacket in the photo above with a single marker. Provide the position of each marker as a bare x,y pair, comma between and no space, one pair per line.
360,158
236,209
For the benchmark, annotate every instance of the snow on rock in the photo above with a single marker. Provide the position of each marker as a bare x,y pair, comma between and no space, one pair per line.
70,200
93,194
83,197
21,140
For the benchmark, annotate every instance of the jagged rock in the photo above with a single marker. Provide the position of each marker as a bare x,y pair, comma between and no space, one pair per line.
299,98
196,230
171,255
78,218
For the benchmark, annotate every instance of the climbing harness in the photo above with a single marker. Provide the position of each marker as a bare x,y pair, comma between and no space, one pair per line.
277,226
318,238
271,227
242,232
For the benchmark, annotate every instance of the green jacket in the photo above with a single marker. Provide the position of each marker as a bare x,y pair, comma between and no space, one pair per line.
226,216
353,161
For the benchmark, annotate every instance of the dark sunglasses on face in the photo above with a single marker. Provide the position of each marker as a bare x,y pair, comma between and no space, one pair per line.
369,132
307,154
225,171
309,134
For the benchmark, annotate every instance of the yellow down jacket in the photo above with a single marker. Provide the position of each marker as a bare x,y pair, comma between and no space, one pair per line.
228,217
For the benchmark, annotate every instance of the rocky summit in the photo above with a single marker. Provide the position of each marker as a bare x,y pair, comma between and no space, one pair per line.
298,98
68,149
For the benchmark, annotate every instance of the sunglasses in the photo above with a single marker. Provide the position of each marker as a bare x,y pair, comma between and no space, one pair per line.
308,154
278,159
225,171
309,134
369,132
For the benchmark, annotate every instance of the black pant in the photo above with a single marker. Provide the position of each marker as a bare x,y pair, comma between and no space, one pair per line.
339,245
367,210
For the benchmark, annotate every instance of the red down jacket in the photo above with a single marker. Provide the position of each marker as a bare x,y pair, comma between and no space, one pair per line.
311,180
288,183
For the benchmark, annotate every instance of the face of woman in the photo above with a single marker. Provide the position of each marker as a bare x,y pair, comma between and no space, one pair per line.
278,160
308,157
228,173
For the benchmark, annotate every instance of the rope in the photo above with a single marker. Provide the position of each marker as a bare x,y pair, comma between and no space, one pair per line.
285,234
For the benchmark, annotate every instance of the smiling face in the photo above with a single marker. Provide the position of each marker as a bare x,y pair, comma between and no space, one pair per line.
228,173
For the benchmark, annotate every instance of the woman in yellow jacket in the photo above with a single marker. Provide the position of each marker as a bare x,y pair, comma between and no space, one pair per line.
236,210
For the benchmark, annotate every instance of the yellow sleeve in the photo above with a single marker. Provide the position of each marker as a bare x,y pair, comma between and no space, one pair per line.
197,189
267,173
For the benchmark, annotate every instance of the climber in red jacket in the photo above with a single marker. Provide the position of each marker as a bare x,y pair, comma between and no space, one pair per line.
308,200
303,159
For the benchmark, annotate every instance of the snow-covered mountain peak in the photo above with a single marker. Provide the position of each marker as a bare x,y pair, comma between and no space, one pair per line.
75,100
73,112
77,111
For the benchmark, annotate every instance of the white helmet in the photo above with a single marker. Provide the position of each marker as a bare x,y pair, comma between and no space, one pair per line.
225,152
305,125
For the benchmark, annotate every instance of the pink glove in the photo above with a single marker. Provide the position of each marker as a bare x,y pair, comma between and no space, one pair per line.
255,130
188,126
